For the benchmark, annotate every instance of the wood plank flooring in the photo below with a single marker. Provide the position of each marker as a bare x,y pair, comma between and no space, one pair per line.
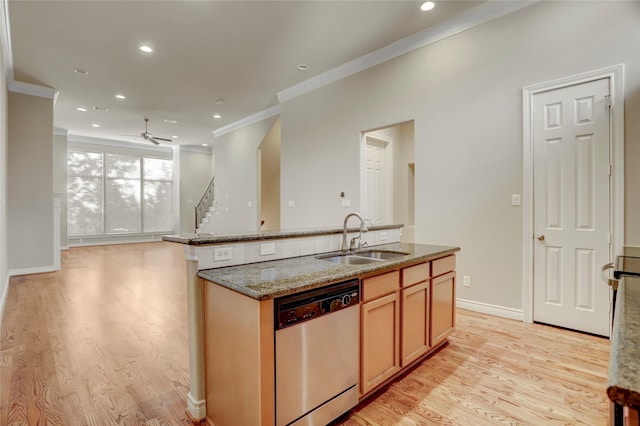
104,342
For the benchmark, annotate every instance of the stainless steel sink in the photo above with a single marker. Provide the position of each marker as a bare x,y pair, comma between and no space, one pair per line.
382,254
362,257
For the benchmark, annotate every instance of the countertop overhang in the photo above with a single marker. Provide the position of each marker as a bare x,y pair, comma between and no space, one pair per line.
624,363
266,280
211,239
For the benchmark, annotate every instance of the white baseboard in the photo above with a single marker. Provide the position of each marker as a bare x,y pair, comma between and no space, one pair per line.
486,308
3,298
64,247
36,270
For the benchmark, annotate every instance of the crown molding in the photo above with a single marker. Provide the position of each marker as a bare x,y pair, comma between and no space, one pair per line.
57,131
475,16
33,90
117,144
12,84
259,116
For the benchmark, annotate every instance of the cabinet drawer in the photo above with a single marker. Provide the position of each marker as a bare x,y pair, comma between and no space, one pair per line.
443,265
415,274
380,285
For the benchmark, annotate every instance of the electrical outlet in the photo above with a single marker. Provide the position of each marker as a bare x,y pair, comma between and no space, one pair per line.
291,203
515,199
466,281
346,202
266,249
222,253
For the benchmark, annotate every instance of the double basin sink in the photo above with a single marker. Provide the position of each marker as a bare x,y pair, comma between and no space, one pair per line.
362,257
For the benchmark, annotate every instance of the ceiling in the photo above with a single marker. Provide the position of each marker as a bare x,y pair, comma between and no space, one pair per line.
210,57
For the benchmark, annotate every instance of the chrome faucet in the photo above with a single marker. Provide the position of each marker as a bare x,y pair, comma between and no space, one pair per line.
363,228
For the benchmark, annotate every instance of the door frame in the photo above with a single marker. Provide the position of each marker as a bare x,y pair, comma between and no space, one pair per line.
389,173
615,74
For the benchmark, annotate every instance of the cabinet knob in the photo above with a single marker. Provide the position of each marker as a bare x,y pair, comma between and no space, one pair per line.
540,237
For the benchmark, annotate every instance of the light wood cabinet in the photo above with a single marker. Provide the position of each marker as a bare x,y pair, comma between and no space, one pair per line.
380,336
442,307
415,322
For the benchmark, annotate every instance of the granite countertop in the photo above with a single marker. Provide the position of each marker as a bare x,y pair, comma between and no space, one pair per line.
266,280
209,239
624,362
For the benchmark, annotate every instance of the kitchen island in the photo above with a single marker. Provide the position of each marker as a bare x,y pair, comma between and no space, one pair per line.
624,364
404,312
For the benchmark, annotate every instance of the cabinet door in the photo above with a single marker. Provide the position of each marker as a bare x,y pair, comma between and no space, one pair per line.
415,322
380,356
442,307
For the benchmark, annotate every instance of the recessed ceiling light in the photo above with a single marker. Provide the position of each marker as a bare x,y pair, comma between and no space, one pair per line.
97,108
219,101
95,125
81,109
118,96
303,67
428,5
146,49
217,116
174,137
170,121
205,144
80,71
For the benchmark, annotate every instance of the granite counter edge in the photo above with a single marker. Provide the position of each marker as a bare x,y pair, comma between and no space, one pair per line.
329,278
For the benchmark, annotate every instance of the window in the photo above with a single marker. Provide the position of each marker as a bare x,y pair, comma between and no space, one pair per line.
118,194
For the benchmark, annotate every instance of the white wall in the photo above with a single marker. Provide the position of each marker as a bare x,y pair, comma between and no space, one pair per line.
4,268
236,167
270,179
30,184
195,175
60,182
464,95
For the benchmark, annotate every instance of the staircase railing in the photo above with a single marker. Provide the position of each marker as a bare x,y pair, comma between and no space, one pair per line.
205,202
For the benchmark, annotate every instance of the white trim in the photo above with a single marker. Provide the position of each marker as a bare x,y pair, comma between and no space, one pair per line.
197,409
118,144
57,131
3,297
254,118
489,309
34,270
32,89
64,247
615,74
470,18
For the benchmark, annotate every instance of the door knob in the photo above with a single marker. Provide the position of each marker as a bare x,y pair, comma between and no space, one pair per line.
540,237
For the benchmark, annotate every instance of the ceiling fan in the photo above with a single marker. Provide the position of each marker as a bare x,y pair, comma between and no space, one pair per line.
149,137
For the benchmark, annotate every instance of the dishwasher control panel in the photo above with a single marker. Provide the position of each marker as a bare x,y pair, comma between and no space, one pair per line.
305,306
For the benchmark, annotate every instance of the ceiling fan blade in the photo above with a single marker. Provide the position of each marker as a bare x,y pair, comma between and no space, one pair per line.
163,139
153,140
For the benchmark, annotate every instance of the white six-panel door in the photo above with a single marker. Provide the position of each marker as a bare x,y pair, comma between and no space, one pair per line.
571,206
376,187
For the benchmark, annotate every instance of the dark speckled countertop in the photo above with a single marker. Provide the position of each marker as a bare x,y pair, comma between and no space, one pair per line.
209,239
624,361
266,280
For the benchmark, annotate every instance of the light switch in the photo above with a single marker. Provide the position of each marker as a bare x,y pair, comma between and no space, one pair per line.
346,202
515,199
292,203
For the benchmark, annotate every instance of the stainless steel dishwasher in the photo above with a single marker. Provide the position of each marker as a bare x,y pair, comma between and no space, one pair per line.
316,354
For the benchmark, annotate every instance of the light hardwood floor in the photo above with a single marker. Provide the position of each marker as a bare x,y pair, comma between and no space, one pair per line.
104,341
